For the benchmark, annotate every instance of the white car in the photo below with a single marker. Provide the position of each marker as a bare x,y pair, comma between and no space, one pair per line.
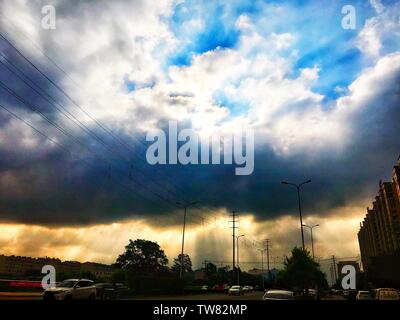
364,295
278,295
72,289
247,288
236,291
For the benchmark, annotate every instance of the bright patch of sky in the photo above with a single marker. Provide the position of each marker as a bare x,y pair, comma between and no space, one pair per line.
318,38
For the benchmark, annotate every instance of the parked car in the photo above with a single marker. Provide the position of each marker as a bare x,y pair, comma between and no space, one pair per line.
350,294
278,295
364,295
204,289
71,289
236,291
386,294
221,288
313,293
247,288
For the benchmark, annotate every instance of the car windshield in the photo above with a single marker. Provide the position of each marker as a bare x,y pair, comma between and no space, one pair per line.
67,284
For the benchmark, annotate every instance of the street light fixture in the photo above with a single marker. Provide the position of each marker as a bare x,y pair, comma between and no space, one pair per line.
298,186
185,207
312,239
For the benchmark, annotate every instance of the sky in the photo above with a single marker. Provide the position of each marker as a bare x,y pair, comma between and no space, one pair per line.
323,102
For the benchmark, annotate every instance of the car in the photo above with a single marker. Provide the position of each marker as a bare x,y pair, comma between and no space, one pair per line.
350,294
221,288
364,295
386,294
235,291
247,288
71,289
204,289
278,295
314,294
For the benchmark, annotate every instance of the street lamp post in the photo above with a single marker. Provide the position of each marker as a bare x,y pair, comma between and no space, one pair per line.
237,252
298,186
262,266
312,239
185,207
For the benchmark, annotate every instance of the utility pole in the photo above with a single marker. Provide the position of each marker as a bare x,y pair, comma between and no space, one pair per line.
205,269
267,247
237,262
334,268
185,206
262,266
234,227
266,244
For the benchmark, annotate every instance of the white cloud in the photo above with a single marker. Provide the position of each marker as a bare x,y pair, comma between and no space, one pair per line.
380,30
109,44
377,5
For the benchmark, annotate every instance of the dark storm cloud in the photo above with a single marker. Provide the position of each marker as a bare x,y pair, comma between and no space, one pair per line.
48,185
53,186
67,191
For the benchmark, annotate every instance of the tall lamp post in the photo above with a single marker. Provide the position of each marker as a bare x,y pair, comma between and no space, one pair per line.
185,207
262,250
298,186
312,239
237,259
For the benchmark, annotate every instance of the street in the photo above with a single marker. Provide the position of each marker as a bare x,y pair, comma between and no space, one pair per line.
255,295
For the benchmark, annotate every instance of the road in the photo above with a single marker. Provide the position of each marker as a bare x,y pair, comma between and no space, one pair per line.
255,295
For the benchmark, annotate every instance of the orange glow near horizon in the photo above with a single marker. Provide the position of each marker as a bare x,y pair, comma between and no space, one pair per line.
213,241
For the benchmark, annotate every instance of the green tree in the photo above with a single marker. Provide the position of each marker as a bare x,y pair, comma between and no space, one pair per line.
143,257
187,264
301,271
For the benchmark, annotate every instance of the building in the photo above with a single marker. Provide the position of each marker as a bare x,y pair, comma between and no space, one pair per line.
257,272
18,266
98,269
200,274
379,234
273,273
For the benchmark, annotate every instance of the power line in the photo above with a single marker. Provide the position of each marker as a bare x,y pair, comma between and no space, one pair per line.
73,81
41,92
69,98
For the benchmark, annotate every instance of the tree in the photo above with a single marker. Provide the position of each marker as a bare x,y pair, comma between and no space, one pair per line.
211,268
143,257
301,271
187,264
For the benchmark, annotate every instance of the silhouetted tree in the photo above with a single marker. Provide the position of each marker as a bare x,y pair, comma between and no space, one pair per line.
187,264
211,269
301,271
143,257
